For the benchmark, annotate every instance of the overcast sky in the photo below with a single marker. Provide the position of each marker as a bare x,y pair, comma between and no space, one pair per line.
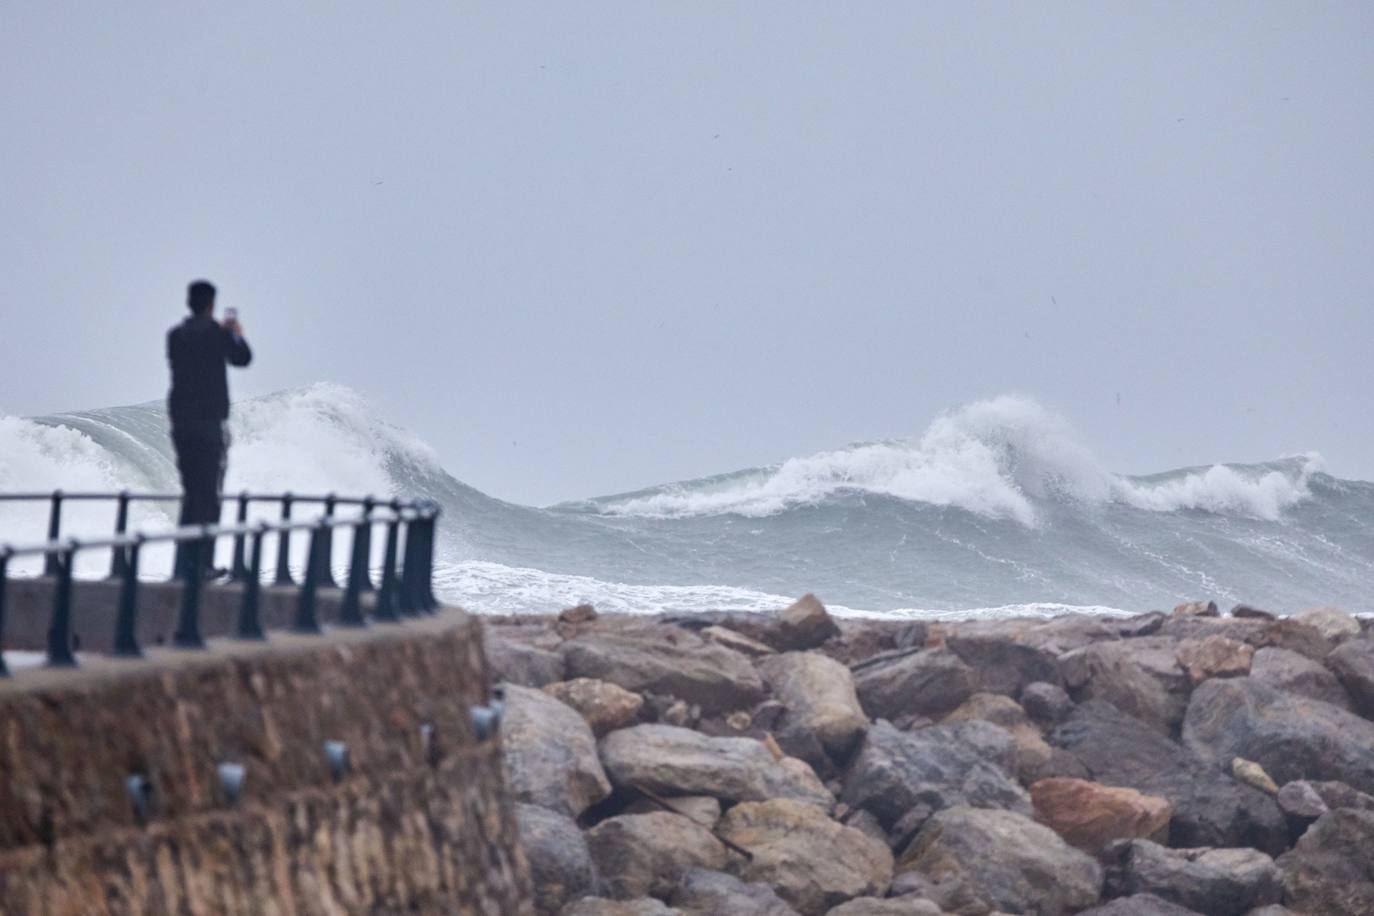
586,247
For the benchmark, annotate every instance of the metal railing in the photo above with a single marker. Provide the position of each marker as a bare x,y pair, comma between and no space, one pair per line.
404,589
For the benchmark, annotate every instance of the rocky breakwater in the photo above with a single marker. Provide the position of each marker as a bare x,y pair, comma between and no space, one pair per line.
766,765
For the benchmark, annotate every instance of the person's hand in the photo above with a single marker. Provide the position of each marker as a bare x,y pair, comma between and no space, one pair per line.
233,327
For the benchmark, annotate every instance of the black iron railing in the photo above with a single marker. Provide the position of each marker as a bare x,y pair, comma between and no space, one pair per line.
405,587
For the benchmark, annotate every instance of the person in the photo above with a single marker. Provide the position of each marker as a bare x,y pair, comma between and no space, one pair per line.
198,350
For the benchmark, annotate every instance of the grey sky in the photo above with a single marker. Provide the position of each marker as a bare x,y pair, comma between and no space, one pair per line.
583,248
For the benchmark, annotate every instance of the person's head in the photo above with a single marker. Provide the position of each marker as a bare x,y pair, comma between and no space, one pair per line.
200,297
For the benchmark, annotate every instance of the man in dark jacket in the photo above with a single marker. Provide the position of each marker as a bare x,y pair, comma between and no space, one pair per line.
198,350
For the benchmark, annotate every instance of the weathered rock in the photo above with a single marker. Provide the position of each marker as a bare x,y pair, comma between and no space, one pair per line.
1252,774
930,682
1273,909
862,639
677,761
805,624
1210,807
605,706
1046,703
1033,755
1219,882
1214,656
1339,795
938,767
550,754
892,906
516,662
582,613
1292,737
1330,871
1301,801
737,641
703,809
1296,636
812,862
645,855
603,906
1245,611
1196,609
818,694
716,893
1246,631
1089,815
1140,905
1004,860
866,822
1294,673
560,863
1332,622
666,660
1353,664
1139,676
1141,624
1000,663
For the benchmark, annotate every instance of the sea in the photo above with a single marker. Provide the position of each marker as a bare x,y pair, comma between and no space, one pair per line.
997,509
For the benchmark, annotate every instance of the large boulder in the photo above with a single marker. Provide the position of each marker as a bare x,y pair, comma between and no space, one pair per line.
605,706
645,855
604,906
716,893
929,682
1033,755
1292,737
892,906
1210,807
819,699
1139,676
1353,663
1293,673
666,660
560,864
1219,882
1332,622
1140,905
1296,636
678,761
518,661
1089,815
1001,662
805,624
811,861
1004,860
932,768
550,754
1214,656
1330,871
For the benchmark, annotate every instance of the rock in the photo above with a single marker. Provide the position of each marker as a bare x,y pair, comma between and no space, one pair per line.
560,864
1001,664
515,662
666,660
1141,677
1245,611
1218,882
1292,737
702,809
1301,802
583,613
1353,664
742,644
605,706
1210,807
1296,636
898,906
1046,703
1252,774
1004,860
865,822
818,694
1330,871
677,761
939,767
1214,656
1273,909
1033,755
715,893
1339,795
601,906
928,682
805,625
1196,609
1332,622
645,855
812,862
550,754
862,639
1089,815
1140,905
1141,625
1294,673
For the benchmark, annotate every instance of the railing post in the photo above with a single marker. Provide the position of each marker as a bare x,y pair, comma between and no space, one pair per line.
187,635
386,594
5,553
126,620
283,576
405,595
427,583
350,610
50,562
306,619
60,654
250,621
331,500
366,582
117,556
238,568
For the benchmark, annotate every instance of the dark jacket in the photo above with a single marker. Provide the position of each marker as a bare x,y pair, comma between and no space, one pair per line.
198,350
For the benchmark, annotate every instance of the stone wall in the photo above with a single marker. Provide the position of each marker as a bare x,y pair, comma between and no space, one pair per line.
419,824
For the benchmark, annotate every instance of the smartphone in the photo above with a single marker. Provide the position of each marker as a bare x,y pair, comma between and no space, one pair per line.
231,314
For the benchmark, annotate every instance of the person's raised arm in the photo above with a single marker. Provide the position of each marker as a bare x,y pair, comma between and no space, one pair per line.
238,352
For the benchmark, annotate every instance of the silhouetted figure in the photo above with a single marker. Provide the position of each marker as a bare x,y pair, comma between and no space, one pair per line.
198,350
